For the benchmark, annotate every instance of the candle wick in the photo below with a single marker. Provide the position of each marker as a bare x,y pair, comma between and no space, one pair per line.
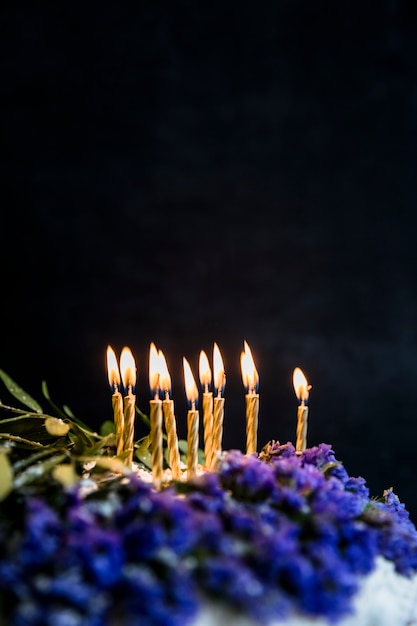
115,387
166,394
221,387
206,388
156,397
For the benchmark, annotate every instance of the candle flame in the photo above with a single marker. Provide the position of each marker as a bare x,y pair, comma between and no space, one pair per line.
128,368
165,378
301,386
154,368
112,368
249,372
204,369
190,386
218,367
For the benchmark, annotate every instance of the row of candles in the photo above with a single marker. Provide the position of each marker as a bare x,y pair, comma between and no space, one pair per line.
161,408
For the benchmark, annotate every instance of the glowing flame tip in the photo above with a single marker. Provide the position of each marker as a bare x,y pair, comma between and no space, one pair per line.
301,386
112,368
128,368
190,386
250,375
204,369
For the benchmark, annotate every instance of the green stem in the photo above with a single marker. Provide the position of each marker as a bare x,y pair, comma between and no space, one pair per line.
18,439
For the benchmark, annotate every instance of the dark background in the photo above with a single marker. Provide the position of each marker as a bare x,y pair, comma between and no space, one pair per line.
194,172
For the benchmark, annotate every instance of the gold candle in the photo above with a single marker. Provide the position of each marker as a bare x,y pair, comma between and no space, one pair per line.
192,421
205,379
250,381
117,400
128,368
155,417
219,383
301,388
169,417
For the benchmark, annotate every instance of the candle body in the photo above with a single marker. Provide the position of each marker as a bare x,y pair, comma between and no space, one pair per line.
171,428
117,403
217,430
156,440
252,411
192,442
302,416
129,427
208,426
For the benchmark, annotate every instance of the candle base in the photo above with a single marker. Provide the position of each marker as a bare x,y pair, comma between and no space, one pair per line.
208,426
171,429
217,431
129,428
157,459
117,402
192,442
301,436
252,411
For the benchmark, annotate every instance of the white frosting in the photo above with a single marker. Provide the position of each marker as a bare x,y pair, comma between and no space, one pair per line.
385,599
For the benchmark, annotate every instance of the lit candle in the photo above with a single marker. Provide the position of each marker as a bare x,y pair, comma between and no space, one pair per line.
219,384
250,381
192,420
301,388
117,400
205,379
155,417
169,417
128,369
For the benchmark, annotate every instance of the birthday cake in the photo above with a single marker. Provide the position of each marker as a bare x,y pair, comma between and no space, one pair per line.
279,536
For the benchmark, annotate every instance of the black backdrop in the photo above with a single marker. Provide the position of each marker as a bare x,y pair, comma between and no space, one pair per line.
194,172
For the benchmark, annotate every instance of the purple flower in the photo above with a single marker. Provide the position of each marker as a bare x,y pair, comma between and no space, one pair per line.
98,549
42,533
263,534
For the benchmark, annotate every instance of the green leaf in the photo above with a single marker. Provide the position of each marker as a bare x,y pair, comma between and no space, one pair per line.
38,471
56,427
18,393
143,444
145,458
201,457
108,440
107,428
6,476
21,465
143,417
65,412
65,474
28,426
68,412
87,437
183,446
113,464
21,442
45,392
328,466
142,451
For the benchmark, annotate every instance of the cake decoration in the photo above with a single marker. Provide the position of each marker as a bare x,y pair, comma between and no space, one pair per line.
88,537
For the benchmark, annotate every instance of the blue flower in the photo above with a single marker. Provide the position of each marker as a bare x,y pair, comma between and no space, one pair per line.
264,534
42,533
99,550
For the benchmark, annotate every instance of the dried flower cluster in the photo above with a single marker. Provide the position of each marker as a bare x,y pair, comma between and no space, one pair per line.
265,534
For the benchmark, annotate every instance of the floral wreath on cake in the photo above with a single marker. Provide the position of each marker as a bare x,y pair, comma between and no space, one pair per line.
84,540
